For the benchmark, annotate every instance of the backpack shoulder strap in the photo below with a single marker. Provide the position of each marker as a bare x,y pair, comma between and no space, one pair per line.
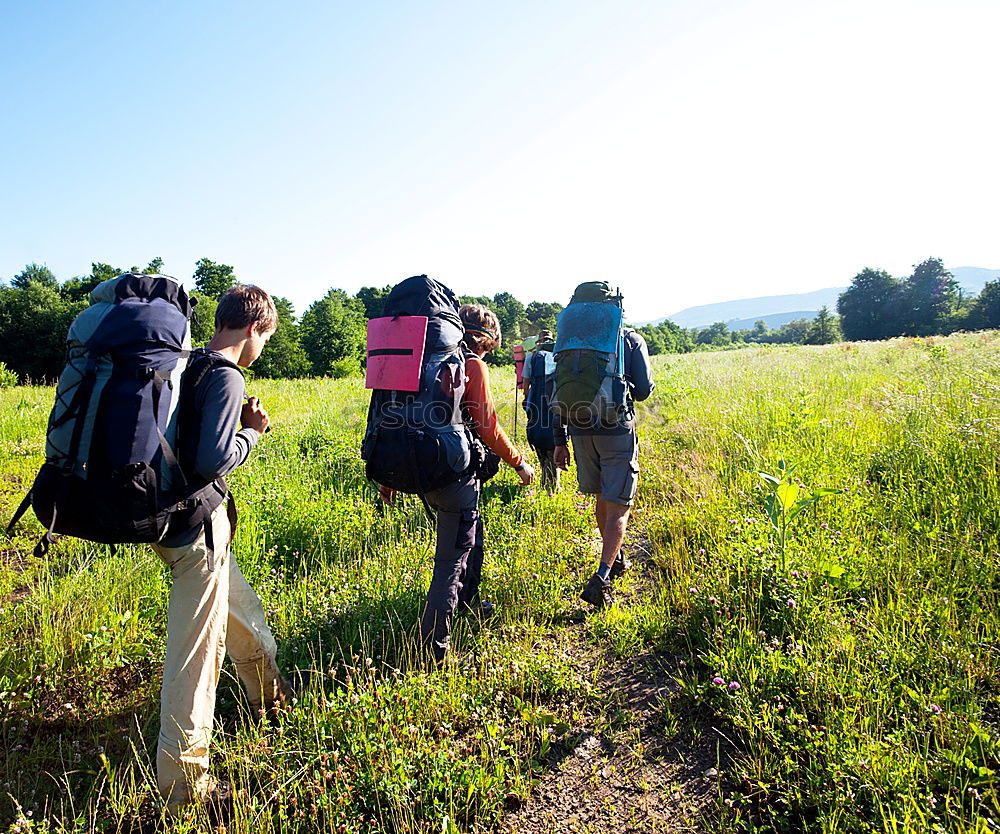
202,362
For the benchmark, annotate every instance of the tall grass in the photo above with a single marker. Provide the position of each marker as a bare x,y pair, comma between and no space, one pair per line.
378,742
857,675
856,680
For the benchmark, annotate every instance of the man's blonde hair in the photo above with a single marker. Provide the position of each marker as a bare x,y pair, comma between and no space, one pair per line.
482,328
243,305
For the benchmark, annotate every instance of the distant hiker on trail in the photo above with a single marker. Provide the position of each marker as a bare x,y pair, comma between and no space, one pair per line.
539,384
426,434
601,369
213,610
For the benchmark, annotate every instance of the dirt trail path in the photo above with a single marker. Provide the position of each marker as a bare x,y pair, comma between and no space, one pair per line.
631,766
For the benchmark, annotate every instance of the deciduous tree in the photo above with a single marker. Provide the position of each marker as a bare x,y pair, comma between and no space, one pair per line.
38,273
333,334
283,358
929,296
823,330
213,279
870,307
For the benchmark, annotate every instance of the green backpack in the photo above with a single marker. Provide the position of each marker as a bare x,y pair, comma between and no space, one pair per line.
590,389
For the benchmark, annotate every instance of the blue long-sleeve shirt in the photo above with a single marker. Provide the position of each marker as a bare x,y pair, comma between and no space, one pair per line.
639,380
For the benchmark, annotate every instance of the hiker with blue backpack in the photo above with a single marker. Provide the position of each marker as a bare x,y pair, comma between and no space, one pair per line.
539,385
433,432
602,369
141,437
213,610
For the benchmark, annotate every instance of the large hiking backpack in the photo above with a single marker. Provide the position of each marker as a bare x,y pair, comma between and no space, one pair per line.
416,440
111,472
541,373
590,389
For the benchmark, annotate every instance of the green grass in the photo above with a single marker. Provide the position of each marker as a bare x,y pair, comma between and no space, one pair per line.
866,655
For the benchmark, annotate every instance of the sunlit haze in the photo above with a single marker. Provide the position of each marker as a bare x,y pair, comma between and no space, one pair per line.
689,152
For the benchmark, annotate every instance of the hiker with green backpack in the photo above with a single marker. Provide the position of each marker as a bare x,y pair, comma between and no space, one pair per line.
602,369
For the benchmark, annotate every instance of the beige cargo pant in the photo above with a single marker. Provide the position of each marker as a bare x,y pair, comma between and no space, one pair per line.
210,613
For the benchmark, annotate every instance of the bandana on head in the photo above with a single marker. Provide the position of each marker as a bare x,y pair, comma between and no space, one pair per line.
481,332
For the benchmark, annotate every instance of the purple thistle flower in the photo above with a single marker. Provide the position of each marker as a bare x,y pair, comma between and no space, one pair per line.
718,681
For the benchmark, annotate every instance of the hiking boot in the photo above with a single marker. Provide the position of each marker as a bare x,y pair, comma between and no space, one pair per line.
621,566
219,805
290,691
597,592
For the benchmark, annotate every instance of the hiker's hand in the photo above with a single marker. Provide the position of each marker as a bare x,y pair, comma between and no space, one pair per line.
560,457
254,417
387,495
526,473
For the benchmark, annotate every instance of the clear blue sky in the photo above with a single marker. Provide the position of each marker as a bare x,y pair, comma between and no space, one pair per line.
690,151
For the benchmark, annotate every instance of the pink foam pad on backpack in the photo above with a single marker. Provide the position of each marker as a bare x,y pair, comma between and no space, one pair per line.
519,365
395,352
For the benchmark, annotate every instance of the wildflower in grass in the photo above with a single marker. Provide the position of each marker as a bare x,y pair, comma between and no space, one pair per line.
734,686
863,601
791,603
682,664
702,551
713,600
936,709
692,590
718,681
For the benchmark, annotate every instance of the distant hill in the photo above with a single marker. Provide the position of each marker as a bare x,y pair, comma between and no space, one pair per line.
804,304
776,310
773,321
972,278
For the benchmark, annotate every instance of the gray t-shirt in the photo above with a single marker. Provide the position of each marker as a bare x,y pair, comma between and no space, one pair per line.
222,444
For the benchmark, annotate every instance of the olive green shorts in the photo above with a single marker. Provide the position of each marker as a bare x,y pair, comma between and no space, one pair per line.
608,465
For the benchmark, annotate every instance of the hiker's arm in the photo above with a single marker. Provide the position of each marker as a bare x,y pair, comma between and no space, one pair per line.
640,372
223,445
479,401
559,431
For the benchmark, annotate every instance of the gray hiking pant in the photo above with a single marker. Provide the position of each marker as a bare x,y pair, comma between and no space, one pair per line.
458,561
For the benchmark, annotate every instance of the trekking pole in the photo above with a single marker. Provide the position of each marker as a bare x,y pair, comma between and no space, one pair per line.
515,404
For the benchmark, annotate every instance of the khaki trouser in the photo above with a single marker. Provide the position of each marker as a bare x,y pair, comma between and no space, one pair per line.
210,613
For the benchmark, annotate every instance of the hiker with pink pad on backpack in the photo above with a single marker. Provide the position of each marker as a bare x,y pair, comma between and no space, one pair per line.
435,434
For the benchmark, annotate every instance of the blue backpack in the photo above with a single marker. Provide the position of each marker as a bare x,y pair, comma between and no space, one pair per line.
590,387
111,473
541,367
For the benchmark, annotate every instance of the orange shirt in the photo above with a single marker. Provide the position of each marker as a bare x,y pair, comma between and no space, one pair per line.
479,401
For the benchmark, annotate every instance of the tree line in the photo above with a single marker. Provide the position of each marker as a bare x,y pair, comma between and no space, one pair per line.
928,302
328,339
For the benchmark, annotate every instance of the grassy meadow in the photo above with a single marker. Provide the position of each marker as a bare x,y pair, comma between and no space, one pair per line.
832,627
